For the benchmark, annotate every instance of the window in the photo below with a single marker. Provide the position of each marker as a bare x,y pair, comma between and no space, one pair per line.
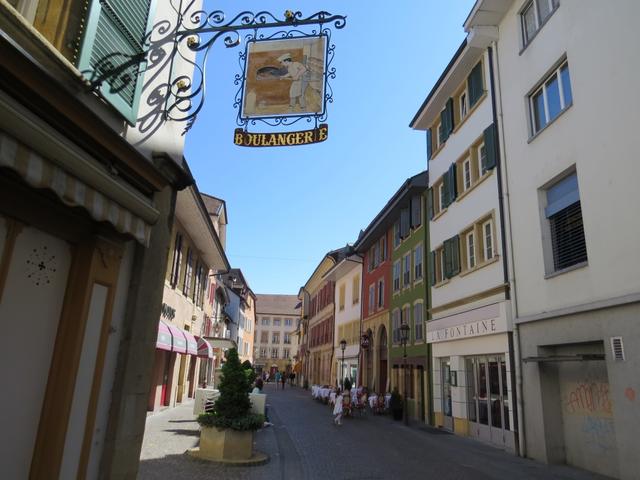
534,15
471,250
417,322
395,323
355,289
482,159
264,337
380,293
383,248
551,98
177,260
274,353
441,196
376,254
463,105
275,337
285,353
288,322
188,273
287,338
466,174
405,223
276,322
396,276
371,256
341,294
564,214
439,135
372,298
487,232
417,263
406,316
265,321
406,270
475,84
396,234
263,352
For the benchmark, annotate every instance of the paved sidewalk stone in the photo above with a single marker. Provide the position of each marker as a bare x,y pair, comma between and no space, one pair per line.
304,444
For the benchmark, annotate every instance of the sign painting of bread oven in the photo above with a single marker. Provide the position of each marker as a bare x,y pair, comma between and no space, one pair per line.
284,77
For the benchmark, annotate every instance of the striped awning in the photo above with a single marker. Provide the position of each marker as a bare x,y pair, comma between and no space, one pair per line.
192,343
164,337
40,172
178,340
204,348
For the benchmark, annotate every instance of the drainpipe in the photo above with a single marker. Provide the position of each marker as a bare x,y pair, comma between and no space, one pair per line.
507,233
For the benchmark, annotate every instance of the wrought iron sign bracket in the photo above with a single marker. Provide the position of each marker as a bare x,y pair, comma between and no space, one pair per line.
196,32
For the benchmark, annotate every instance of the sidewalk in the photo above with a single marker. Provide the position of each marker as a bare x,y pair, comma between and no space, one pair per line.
170,433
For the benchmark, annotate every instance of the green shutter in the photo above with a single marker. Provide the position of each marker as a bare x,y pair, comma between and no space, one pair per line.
474,82
451,189
449,109
446,251
429,144
431,266
455,255
114,42
430,204
491,147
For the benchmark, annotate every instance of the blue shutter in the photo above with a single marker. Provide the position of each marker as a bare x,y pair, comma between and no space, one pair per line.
491,147
114,42
429,144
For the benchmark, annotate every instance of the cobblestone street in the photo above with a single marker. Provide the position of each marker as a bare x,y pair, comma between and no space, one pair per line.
303,443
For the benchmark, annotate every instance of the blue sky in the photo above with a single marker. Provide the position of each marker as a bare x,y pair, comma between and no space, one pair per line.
288,206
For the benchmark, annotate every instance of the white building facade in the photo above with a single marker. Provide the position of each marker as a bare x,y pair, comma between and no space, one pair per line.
568,125
347,278
469,329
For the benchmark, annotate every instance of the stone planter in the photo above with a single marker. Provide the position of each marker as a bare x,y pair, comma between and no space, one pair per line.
230,446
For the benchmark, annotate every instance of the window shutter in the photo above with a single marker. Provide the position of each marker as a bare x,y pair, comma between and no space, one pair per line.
450,187
491,147
446,251
449,109
430,203
404,222
429,144
431,266
114,37
455,255
416,211
474,81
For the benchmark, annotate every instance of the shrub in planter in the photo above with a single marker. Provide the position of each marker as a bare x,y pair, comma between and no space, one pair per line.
232,408
396,404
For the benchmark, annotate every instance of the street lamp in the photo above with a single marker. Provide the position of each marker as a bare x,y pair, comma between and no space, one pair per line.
343,345
404,336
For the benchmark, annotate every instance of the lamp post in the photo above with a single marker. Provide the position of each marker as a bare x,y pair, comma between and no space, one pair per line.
404,336
343,345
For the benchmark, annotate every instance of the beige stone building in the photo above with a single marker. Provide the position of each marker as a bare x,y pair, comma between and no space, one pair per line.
275,342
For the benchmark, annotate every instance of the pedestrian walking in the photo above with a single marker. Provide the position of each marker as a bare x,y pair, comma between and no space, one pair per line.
278,375
337,409
283,380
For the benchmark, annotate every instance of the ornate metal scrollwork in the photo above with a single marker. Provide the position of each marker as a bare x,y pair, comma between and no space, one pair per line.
190,39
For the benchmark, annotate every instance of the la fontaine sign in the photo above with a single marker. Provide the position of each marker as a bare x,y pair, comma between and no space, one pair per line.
282,139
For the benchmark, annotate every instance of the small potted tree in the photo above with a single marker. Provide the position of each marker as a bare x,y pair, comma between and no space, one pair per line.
227,432
395,404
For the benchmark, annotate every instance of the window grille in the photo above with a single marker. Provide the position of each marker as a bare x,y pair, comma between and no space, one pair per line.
567,237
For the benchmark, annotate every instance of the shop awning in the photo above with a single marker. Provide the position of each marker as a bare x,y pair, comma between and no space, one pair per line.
192,343
164,337
105,204
204,348
178,340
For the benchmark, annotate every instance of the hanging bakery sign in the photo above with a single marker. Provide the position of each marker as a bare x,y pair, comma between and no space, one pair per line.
284,83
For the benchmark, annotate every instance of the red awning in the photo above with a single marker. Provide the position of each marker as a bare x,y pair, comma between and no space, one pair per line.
178,340
204,348
164,337
192,343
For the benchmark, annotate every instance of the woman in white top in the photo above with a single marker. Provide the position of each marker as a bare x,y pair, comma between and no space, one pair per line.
337,409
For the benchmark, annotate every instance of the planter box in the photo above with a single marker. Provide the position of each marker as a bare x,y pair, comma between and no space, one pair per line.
225,445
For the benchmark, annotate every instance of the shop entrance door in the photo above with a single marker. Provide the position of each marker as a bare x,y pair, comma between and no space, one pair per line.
447,413
489,402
